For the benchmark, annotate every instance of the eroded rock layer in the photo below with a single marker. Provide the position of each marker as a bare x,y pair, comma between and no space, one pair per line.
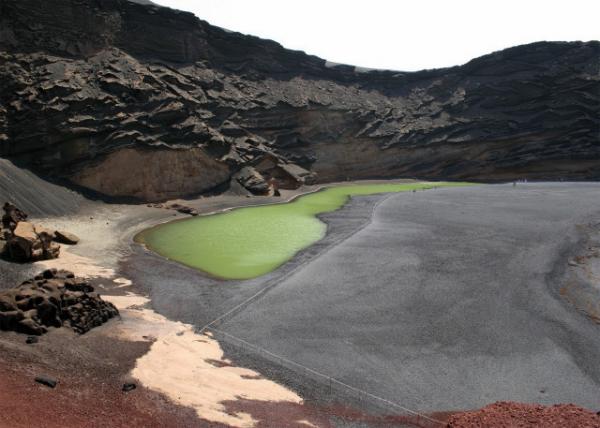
152,103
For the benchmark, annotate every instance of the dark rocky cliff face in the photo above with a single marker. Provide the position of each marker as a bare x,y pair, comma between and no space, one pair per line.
144,101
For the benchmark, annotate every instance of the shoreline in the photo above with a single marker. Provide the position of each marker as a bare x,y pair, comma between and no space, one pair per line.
147,311
114,227
294,194
280,259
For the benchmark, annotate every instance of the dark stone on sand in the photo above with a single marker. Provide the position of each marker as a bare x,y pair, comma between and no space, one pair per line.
65,237
45,380
129,387
188,210
31,339
183,209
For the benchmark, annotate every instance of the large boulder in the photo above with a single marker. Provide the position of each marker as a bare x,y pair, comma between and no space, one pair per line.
26,244
252,180
65,237
22,241
53,299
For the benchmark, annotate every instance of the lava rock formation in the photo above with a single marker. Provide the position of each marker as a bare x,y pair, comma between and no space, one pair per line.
53,299
142,101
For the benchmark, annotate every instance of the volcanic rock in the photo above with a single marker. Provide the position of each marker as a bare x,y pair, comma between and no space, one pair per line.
183,209
23,241
12,215
65,237
152,103
27,244
45,380
53,299
128,387
252,180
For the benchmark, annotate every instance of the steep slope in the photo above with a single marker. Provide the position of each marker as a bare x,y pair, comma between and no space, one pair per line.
145,101
35,196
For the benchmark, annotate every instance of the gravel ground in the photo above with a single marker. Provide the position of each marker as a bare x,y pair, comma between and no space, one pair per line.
187,295
442,300
92,368
449,299
508,414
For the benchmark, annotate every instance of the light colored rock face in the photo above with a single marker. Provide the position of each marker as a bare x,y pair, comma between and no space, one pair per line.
25,230
153,175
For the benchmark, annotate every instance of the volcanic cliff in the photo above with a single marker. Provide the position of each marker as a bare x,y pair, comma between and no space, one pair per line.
147,102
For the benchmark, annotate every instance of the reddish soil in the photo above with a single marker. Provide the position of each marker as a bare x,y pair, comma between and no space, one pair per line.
291,415
510,414
91,370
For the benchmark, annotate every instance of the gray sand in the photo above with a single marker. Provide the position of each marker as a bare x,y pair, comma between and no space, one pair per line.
447,300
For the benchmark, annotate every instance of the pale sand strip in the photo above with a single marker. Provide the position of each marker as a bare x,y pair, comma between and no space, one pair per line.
79,265
188,368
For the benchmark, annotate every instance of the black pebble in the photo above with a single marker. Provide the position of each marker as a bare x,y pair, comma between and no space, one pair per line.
31,339
129,387
46,381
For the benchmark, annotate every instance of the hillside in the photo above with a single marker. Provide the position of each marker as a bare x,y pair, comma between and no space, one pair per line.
142,101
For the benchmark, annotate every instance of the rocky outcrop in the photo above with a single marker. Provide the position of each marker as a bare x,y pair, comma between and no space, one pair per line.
12,216
149,102
28,243
65,237
153,174
22,241
183,209
53,299
253,181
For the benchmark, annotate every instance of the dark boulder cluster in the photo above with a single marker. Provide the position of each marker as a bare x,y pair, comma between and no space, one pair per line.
53,299
22,241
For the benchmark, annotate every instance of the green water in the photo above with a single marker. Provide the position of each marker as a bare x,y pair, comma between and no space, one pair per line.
249,242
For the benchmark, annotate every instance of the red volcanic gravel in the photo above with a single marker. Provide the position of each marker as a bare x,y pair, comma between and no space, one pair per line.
511,414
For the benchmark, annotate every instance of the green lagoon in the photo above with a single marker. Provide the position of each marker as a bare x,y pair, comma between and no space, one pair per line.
249,242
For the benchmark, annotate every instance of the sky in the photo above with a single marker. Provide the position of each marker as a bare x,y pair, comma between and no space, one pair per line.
400,34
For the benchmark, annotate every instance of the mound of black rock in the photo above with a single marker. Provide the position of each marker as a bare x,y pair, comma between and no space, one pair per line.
53,299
